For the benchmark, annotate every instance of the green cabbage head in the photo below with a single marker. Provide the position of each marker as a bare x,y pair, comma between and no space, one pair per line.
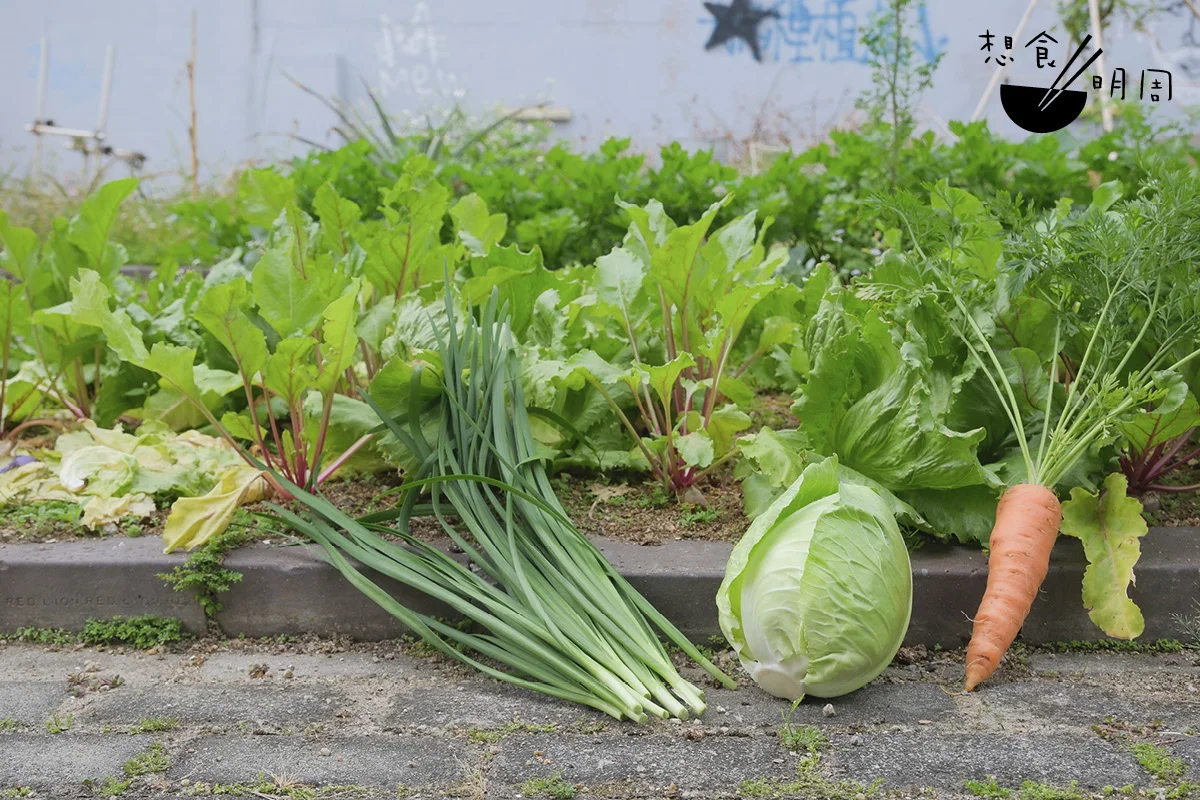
817,594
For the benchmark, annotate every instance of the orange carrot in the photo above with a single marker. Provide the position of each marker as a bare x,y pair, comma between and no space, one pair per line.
1027,521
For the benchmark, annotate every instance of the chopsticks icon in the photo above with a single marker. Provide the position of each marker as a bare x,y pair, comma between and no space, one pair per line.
1052,93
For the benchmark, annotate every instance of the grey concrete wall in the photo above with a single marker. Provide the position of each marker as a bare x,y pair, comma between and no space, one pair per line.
631,67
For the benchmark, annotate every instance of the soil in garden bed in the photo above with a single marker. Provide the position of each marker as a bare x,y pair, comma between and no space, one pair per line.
625,506
618,507
1175,510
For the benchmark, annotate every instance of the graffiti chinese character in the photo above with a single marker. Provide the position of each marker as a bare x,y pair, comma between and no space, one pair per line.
1155,84
1002,59
1042,51
832,32
800,31
839,28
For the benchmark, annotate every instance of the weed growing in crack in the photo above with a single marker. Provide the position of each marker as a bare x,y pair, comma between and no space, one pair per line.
493,735
1116,646
283,788
152,759
204,573
806,738
1189,625
141,632
1034,790
1030,790
47,636
1158,761
108,787
154,725
989,789
79,683
553,786
809,783
57,724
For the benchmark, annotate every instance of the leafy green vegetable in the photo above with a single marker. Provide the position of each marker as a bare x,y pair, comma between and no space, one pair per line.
694,293
1158,439
195,520
817,594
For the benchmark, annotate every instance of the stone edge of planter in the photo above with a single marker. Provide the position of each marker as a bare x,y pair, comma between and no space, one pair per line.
291,590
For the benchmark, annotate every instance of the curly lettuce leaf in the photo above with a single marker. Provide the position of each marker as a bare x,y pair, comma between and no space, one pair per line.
1109,524
882,407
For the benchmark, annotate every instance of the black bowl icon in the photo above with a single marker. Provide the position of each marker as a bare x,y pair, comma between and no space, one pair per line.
1021,104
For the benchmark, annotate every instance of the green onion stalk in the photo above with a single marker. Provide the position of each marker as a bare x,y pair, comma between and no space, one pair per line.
547,610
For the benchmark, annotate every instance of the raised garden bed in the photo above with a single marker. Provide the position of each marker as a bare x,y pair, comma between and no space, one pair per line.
290,590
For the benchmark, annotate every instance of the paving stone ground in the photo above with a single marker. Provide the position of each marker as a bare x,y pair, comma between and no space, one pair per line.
315,720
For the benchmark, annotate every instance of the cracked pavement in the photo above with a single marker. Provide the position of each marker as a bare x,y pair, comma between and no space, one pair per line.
327,719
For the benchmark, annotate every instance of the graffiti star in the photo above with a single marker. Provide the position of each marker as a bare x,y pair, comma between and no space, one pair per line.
738,20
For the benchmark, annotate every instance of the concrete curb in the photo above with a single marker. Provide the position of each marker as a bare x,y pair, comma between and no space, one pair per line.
290,590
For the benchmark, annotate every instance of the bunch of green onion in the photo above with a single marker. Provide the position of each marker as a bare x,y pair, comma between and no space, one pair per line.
548,612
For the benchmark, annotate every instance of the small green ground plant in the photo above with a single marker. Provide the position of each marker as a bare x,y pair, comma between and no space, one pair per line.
142,632
57,724
41,518
1169,771
1029,790
493,735
552,786
203,572
47,636
152,759
808,783
280,786
154,725
110,786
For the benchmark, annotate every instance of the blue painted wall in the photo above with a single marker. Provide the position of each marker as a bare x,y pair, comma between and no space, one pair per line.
629,67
